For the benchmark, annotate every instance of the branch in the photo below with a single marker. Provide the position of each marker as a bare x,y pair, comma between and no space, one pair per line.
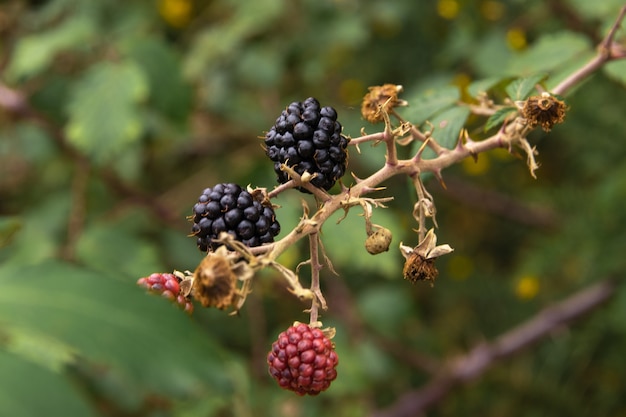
473,364
607,51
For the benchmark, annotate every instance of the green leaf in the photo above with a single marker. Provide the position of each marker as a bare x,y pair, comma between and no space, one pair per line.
125,253
448,125
499,117
34,53
352,229
103,110
424,106
617,71
27,390
550,52
9,226
521,88
169,93
144,337
482,86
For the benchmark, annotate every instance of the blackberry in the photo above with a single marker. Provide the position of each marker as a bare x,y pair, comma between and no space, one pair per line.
228,208
167,285
307,137
303,360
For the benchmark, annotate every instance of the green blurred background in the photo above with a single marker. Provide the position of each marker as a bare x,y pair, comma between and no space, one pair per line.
133,108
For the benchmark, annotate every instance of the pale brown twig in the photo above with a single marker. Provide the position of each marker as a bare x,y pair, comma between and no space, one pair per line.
467,367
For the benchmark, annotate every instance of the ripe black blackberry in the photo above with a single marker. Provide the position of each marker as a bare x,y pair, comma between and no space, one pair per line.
303,360
308,137
228,208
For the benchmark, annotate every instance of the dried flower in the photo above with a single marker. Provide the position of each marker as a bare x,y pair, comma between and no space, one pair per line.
544,110
420,260
214,283
380,99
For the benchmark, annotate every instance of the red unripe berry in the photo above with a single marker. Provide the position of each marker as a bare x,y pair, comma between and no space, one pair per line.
303,360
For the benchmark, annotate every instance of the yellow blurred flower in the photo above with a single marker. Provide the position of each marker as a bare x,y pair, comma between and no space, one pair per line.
516,39
448,9
176,13
527,287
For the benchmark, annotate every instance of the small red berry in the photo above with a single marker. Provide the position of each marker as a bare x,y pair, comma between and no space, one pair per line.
168,286
303,360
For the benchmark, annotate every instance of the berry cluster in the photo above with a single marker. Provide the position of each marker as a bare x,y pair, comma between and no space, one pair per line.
308,138
229,208
167,285
303,360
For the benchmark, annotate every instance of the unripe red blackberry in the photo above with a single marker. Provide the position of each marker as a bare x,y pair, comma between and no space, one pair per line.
168,286
307,137
303,360
228,208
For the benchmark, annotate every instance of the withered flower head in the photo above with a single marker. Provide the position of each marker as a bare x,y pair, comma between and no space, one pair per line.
383,97
420,260
544,110
214,282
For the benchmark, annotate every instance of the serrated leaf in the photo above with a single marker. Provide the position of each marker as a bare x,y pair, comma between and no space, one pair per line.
27,390
103,110
550,52
499,117
424,106
34,53
521,88
145,338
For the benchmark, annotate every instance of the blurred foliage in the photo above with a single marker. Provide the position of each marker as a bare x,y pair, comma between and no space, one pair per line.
138,106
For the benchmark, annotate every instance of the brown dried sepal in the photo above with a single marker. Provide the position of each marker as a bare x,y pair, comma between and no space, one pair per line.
214,282
418,268
380,99
544,110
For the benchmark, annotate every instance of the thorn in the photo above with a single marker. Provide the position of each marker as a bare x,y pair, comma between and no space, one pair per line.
440,178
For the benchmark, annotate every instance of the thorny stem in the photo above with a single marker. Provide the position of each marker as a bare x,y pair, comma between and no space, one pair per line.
318,301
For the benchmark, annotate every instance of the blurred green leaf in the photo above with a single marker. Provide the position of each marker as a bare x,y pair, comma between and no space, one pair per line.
521,88
103,110
425,105
385,308
28,390
616,70
448,125
126,252
9,226
352,229
550,52
161,65
482,86
499,117
149,340
34,53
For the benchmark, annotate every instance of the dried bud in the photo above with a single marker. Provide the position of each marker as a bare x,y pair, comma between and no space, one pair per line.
378,241
214,282
544,110
417,268
420,260
383,97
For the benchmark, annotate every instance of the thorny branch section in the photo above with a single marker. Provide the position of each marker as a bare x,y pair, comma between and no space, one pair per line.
544,109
